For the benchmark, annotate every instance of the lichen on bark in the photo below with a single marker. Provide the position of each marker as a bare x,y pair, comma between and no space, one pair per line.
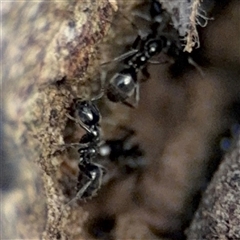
186,16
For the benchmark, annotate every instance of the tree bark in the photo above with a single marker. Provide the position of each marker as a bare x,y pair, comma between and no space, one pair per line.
218,216
47,49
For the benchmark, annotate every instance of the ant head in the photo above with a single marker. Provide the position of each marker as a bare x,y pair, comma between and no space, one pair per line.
87,112
89,179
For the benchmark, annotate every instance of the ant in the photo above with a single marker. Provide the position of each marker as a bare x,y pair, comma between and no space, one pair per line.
90,177
161,38
124,83
90,174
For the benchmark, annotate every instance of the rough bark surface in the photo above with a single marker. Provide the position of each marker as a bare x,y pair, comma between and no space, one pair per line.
45,42
218,214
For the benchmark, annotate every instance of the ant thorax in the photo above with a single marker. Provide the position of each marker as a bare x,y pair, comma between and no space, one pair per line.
151,47
87,154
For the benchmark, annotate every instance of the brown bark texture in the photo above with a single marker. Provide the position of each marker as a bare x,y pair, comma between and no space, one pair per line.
218,214
43,43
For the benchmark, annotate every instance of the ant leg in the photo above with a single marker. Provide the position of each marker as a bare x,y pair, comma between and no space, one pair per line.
80,193
72,118
145,74
136,42
158,62
137,94
193,63
72,145
103,77
128,54
121,57
89,179
78,122
129,104
100,95
83,189
136,98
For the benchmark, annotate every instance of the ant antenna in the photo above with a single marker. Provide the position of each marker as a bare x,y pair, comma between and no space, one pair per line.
121,57
100,95
78,122
193,63
158,62
133,24
126,18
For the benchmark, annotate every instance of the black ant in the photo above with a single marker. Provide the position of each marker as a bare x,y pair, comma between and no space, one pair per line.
124,84
119,151
160,38
90,174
